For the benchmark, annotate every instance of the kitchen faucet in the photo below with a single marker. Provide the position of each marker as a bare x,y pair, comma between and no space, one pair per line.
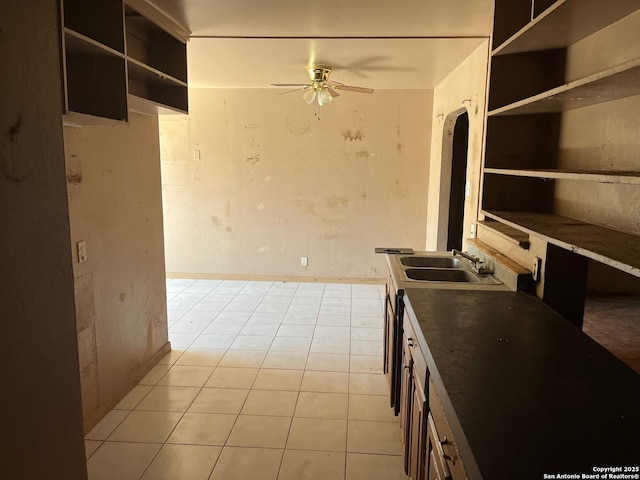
476,264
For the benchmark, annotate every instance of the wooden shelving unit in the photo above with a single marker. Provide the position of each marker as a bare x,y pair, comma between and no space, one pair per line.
564,23
531,104
116,59
600,176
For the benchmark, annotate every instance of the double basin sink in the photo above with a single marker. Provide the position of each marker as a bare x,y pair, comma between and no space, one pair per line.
439,268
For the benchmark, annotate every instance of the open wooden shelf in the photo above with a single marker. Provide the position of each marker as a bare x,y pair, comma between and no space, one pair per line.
79,44
614,248
510,234
150,45
565,22
149,107
150,84
601,176
94,78
99,20
612,84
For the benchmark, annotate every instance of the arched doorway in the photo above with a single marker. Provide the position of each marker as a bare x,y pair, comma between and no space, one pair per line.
458,182
453,179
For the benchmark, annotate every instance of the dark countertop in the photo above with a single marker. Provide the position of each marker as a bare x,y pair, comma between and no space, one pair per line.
524,390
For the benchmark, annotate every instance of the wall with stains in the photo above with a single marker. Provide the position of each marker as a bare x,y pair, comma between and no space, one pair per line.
41,407
253,181
113,183
464,89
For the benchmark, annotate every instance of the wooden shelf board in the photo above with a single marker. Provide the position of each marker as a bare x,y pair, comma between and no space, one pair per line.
600,176
143,72
566,22
79,44
77,119
614,83
614,248
149,107
510,234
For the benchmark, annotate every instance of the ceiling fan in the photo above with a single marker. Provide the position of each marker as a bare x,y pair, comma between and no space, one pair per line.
321,89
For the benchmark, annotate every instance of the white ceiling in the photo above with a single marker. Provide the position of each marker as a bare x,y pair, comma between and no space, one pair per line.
406,44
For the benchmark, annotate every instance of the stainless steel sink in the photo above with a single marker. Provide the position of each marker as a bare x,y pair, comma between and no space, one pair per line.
448,275
439,275
432,262
439,270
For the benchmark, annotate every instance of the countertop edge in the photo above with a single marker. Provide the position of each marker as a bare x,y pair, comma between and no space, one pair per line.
468,459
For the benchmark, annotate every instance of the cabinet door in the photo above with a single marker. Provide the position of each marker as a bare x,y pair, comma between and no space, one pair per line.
388,333
390,352
417,434
393,344
433,473
437,467
406,401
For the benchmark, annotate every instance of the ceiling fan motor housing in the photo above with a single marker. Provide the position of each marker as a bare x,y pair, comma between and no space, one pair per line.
319,73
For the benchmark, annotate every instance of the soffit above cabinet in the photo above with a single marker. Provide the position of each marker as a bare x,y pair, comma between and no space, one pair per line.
342,18
412,44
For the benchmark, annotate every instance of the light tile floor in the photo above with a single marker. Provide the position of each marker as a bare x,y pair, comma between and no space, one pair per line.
266,380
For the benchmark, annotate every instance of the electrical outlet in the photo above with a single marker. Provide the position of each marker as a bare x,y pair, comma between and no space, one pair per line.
535,269
82,251
304,261
472,234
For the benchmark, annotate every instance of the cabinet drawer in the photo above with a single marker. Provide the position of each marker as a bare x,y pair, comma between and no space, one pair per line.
451,454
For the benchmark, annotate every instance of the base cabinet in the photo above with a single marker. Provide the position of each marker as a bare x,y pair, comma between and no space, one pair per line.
429,449
441,441
393,315
417,437
413,405
406,402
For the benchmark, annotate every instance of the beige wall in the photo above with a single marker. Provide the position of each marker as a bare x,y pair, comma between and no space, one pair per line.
464,89
113,182
41,408
275,183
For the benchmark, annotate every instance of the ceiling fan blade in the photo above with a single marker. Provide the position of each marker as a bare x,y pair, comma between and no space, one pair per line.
290,85
294,90
333,83
354,89
332,92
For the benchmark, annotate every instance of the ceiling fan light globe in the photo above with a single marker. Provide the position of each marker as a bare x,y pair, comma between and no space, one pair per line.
309,96
324,97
